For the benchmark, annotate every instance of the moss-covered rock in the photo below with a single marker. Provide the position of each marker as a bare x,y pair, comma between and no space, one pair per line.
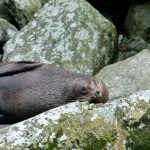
138,21
140,134
66,33
131,47
115,125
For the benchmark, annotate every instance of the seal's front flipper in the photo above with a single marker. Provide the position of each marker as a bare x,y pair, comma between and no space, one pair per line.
11,68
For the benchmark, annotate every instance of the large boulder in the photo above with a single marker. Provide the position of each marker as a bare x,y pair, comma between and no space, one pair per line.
67,33
129,76
121,124
138,21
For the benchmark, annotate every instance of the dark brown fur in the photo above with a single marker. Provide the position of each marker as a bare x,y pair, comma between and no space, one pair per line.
27,88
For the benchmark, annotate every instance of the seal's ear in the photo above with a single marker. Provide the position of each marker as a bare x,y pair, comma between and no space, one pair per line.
11,68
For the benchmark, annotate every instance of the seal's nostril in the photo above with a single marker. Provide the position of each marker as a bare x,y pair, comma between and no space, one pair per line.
97,94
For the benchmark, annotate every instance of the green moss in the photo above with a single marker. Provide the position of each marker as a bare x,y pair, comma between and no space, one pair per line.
94,143
79,135
52,145
139,136
89,135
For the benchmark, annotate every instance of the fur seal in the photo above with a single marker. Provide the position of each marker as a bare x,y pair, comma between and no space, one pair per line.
30,88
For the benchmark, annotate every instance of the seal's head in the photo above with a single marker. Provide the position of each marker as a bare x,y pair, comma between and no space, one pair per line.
91,90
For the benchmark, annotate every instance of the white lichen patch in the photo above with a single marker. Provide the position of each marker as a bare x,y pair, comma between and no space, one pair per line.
33,24
52,137
106,37
41,145
142,125
19,42
132,100
56,113
63,138
11,32
141,95
18,57
16,137
82,35
94,117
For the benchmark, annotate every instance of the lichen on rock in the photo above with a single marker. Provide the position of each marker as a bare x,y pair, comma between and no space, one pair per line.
138,20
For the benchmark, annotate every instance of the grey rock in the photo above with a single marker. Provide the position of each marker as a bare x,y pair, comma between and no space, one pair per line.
124,55
114,125
3,126
138,21
131,47
129,76
70,34
7,31
23,10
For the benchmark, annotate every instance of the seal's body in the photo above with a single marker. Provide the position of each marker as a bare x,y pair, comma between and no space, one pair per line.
29,88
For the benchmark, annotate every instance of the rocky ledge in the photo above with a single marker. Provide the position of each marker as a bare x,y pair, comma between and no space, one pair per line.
118,124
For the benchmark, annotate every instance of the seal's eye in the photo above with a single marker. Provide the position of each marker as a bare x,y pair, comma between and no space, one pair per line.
97,94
